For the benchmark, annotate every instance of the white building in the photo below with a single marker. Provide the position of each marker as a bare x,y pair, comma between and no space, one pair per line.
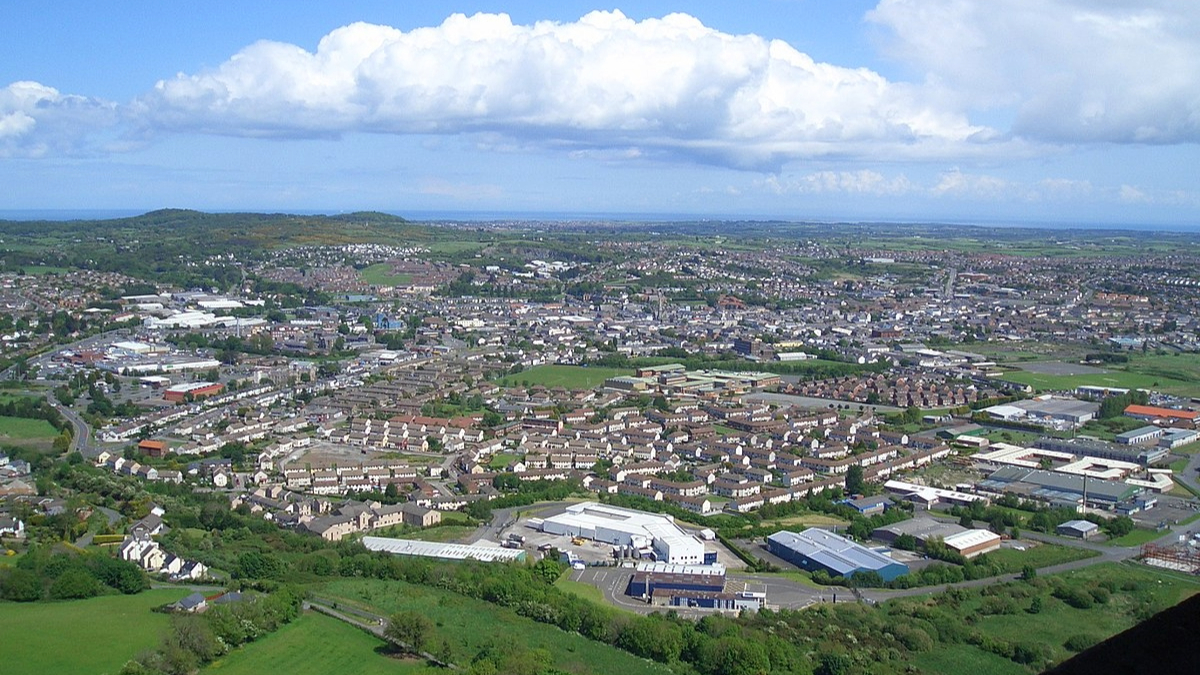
628,527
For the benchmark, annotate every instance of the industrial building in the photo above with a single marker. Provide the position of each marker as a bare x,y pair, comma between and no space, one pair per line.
1080,529
628,527
924,495
1140,435
428,549
179,393
966,542
1059,489
1094,447
1047,411
816,549
973,542
692,586
1152,413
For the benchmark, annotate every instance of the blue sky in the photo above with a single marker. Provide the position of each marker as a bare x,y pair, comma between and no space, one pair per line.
1071,111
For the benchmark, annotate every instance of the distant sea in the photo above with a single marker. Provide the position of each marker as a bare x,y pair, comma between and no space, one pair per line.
630,217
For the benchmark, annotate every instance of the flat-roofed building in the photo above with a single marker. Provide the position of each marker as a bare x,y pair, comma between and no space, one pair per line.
628,527
973,542
1140,435
1080,529
816,549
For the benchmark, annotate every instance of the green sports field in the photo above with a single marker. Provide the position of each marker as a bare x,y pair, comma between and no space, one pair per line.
82,637
571,377
1172,374
380,274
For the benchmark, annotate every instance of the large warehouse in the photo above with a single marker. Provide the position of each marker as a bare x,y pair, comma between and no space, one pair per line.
816,549
627,527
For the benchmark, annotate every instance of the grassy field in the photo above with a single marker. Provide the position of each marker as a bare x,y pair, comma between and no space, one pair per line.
585,591
380,274
343,649
441,534
501,460
25,431
1044,555
1138,587
1115,378
809,520
1136,538
468,625
104,632
1174,374
954,659
571,377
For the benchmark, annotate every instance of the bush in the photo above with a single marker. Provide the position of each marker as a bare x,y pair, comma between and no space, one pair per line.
1081,642
1075,597
73,584
21,586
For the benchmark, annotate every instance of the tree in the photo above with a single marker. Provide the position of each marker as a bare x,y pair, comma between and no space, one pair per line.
62,442
1028,573
855,483
1118,527
966,521
20,585
74,583
409,629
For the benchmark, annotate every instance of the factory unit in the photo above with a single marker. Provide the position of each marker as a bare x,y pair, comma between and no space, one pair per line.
1059,489
197,390
816,549
692,586
1140,435
628,527
966,542
1094,447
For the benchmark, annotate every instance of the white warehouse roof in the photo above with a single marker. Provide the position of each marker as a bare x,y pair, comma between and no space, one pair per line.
428,549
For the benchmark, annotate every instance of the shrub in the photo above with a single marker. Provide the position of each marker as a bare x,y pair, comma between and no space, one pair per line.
1075,597
1080,642
74,583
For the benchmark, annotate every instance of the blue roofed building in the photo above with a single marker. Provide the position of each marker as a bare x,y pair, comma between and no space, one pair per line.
816,549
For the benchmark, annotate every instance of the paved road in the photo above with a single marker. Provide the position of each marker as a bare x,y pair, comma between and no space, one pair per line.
81,438
503,519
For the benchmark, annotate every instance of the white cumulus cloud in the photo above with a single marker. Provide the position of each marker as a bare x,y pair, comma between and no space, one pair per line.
666,86
36,119
1071,70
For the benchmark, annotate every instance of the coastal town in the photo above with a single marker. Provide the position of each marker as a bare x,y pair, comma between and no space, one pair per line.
672,423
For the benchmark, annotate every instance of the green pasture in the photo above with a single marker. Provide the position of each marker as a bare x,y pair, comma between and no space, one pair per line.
103,633
468,625
316,644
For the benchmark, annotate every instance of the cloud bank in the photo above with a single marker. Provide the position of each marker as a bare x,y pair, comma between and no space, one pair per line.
664,86
1121,71
613,89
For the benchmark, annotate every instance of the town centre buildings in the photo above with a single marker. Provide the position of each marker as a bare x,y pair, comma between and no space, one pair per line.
627,527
